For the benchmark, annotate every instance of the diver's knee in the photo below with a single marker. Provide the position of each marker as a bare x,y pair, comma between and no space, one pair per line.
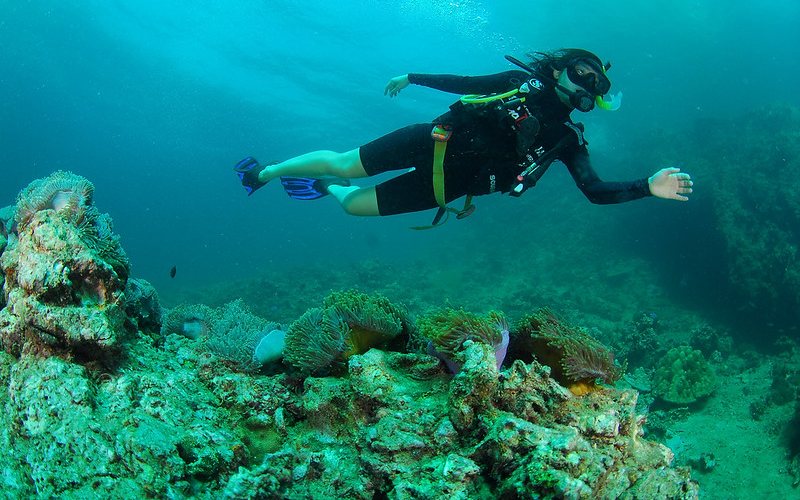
348,164
361,202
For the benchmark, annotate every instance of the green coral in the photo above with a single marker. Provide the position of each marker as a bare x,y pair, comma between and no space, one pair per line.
683,376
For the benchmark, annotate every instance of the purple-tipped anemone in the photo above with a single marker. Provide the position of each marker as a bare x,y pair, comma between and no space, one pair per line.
450,328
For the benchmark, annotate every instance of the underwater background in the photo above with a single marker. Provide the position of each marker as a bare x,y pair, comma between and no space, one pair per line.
155,102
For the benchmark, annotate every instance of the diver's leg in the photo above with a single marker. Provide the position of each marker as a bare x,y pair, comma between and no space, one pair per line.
356,200
317,164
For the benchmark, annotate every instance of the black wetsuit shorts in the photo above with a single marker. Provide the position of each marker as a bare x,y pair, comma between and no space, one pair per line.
466,158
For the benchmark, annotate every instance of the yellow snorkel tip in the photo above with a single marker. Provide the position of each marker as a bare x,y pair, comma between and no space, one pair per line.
609,103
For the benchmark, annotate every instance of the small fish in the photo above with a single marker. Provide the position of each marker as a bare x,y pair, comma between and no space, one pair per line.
173,271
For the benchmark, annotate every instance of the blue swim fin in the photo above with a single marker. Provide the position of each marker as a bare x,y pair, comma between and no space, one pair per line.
248,170
309,188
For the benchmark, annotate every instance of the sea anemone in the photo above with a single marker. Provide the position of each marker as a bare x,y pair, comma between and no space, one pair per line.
236,334
577,359
190,320
316,341
372,319
349,323
70,196
64,192
448,329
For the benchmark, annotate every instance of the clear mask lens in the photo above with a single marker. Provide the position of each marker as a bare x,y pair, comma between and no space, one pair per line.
595,81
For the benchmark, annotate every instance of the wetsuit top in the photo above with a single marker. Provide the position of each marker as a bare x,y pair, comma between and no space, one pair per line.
501,142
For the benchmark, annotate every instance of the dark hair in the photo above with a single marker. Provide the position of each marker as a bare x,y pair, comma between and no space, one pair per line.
558,59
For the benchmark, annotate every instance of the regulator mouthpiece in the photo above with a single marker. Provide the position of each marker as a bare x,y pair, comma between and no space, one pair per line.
609,102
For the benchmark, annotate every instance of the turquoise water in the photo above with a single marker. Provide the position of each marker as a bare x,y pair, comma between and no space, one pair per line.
155,102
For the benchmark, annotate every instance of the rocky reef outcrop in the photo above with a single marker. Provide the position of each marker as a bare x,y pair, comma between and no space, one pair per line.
102,395
65,273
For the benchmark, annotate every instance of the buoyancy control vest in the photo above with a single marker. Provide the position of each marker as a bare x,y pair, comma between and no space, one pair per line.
518,112
509,112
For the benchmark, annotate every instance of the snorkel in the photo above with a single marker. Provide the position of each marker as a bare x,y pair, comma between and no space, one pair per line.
578,96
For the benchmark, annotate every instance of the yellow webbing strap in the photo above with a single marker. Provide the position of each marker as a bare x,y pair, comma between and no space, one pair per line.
439,148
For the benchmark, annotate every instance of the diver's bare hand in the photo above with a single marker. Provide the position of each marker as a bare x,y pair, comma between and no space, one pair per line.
671,184
395,85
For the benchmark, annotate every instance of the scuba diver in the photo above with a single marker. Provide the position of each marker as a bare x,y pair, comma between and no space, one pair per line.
502,135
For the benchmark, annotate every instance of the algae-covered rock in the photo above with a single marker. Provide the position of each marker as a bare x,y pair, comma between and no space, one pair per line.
165,425
142,305
65,273
683,376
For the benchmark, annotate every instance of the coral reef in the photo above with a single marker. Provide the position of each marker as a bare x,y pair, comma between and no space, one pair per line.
641,341
65,273
350,322
172,415
447,330
175,421
683,376
577,359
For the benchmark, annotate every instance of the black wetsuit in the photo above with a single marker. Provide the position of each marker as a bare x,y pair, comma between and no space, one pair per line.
483,153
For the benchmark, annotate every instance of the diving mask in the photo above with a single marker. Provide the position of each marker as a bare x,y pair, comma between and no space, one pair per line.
595,81
590,87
